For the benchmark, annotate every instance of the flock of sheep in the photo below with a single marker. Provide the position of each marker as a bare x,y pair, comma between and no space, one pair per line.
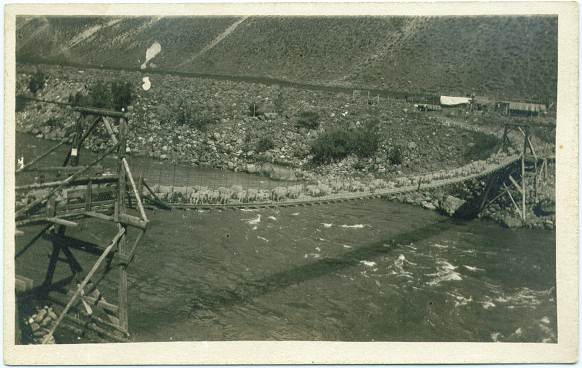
326,188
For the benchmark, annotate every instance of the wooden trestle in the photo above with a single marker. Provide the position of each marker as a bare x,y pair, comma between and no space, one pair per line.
86,192
505,179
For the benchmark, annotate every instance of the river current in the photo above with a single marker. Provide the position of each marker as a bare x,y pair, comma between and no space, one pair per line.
370,270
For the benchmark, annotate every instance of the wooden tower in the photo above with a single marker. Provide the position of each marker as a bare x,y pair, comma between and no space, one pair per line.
87,193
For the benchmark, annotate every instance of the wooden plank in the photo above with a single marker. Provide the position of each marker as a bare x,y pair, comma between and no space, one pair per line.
100,112
81,287
512,200
514,182
123,251
135,190
60,221
79,181
123,218
66,169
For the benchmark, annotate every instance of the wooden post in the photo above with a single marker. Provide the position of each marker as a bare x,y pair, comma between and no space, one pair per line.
523,183
122,244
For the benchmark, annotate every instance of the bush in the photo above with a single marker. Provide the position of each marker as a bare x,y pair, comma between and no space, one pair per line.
121,96
331,146
337,143
365,142
308,119
395,155
256,109
264,144
99,95
279,103
117,97
36,82
194,117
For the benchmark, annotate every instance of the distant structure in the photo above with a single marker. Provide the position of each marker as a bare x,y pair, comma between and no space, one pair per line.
521,108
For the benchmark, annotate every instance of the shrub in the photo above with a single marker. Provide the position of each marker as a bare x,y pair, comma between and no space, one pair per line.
331,146
365,142
117,97
264,144
338,143
37,81
279,103
395,155
99,96
194,117
121,96
256,109
308,119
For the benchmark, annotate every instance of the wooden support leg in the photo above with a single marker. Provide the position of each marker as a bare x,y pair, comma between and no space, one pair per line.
523,181
48,279
122,291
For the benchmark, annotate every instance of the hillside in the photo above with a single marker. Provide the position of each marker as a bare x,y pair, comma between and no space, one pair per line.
501,56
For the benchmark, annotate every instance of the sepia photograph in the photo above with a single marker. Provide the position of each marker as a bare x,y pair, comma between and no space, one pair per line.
313,178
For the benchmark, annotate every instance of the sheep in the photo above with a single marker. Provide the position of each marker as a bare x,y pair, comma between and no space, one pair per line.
313,190
278,193
251,195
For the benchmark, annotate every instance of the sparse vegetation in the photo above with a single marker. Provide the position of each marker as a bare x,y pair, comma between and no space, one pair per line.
337,143
194,117
256,109
395,155
37,82
475,54
308,119
117,96
264,144
121,95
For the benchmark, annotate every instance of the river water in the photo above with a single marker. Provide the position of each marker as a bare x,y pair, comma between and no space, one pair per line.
370,270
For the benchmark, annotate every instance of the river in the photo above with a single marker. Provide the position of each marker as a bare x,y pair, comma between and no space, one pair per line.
371,270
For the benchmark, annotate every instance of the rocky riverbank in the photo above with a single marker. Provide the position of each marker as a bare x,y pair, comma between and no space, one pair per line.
231,140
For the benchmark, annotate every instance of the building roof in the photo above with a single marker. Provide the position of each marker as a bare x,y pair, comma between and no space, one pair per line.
529,107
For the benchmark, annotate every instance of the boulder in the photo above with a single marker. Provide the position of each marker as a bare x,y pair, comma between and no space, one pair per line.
511,221
449,204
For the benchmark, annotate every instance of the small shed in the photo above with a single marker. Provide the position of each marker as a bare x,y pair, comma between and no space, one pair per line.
451,101
521,108
482,103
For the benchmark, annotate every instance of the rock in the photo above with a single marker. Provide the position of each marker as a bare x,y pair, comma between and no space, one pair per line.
511,221
428,205
449,204
251,169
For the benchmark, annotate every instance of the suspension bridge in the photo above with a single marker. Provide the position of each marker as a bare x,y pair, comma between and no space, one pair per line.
89,193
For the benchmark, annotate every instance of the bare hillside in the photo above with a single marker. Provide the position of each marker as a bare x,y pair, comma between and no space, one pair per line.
501,56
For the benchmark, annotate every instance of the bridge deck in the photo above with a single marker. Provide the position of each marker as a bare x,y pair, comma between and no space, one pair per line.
348,196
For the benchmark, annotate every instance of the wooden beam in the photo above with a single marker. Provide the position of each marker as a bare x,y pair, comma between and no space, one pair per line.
81,287
51,150
123,218
101,112
134,187
512,200
66,169
120,210
64,182
99,179
65,241
60,221
514,182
